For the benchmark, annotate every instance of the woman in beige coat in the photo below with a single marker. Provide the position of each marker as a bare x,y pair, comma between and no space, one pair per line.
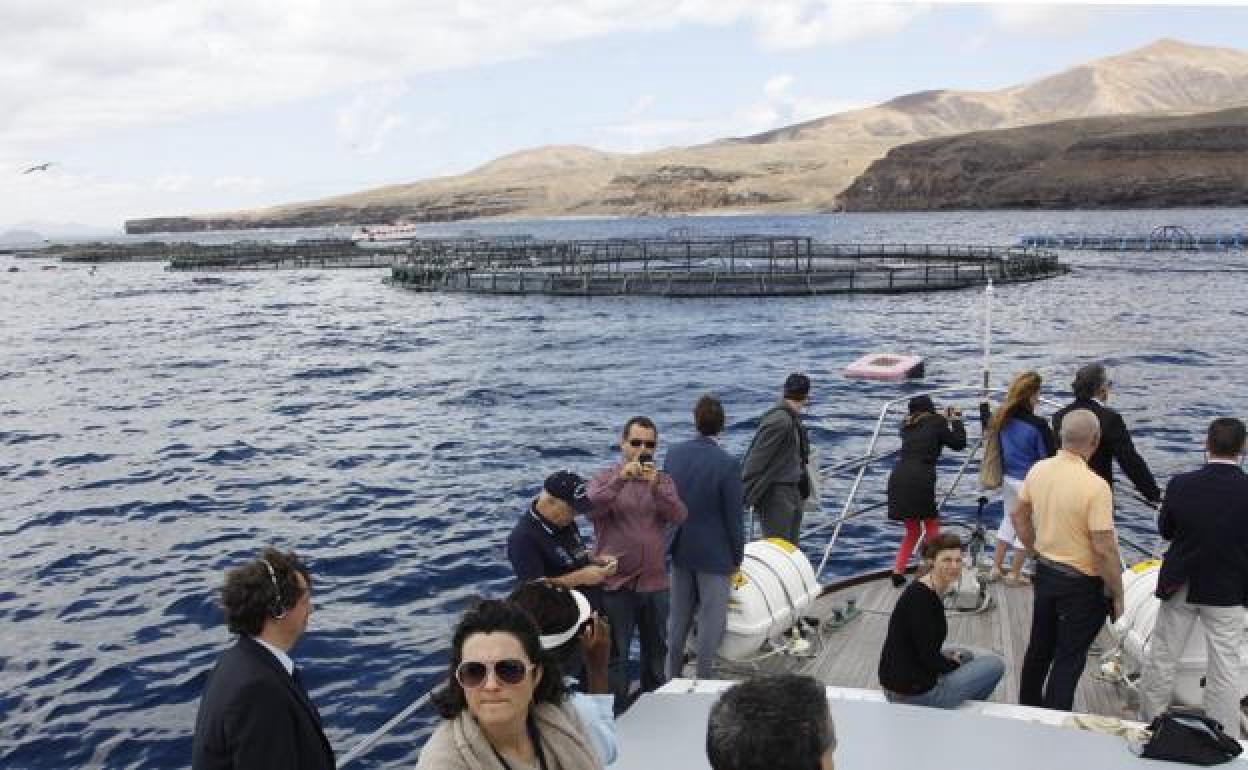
503,706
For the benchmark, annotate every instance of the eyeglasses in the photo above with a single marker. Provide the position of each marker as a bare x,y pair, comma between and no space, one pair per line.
509,671
637,443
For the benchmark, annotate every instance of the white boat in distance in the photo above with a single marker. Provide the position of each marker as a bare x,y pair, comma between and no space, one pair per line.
376,233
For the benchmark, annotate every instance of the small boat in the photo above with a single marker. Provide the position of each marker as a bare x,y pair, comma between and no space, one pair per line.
376,233
887,367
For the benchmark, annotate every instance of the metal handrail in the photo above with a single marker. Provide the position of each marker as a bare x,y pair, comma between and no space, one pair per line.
373,738
870,457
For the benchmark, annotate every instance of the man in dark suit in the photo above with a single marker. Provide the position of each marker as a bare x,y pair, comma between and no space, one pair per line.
1091,387
1204,577
708,547
255,713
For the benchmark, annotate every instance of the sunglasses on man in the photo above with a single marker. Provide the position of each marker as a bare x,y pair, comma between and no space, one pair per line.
637,443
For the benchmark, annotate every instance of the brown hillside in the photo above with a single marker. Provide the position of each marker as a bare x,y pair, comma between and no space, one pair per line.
798,168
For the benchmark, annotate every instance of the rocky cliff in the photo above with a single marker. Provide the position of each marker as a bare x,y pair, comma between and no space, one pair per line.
1119,162
798,168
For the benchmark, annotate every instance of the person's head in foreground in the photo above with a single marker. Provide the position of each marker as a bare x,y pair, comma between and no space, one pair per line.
771,723
498,669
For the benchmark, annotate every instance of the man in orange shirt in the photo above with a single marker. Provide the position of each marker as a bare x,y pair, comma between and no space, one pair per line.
1065,516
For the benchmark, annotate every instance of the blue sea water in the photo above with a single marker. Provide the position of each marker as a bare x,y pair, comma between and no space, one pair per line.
157,428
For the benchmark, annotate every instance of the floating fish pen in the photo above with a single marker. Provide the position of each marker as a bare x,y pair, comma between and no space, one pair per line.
715,267
270,255
1165,238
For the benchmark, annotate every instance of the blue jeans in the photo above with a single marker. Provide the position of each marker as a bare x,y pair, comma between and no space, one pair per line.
975,679
647,612
1067,613
706,594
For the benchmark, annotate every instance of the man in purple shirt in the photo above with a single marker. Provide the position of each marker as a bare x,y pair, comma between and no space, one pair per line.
634,505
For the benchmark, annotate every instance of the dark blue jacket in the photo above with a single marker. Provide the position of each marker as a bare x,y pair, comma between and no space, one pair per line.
1115,443
253,716
1205,516
1025,440
712,538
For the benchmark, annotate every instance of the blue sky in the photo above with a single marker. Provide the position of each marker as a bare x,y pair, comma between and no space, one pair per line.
156,108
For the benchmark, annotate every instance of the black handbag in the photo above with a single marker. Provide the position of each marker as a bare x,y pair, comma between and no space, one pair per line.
1182,735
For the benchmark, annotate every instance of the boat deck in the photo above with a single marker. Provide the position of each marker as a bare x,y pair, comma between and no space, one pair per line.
850,653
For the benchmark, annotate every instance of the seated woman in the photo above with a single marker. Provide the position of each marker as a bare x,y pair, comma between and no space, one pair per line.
579,640
503,703
914,665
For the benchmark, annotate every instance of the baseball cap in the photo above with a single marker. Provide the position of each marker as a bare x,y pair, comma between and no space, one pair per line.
570,488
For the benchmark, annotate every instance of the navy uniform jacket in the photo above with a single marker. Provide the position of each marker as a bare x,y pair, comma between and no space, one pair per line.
708,479
1115,442
254,717
1205,516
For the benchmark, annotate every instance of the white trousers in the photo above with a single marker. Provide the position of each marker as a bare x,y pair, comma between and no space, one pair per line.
1009,496
1224,633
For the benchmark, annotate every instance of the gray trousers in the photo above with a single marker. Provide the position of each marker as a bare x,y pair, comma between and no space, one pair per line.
780,512
707,594
1224,632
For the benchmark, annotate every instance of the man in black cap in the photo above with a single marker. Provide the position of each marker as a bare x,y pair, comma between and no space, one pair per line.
545,543
774,471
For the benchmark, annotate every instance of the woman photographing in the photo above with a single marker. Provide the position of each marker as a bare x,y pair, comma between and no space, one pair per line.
503,704
915,666
912,484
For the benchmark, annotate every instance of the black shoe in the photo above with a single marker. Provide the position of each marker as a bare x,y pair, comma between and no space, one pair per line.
898,580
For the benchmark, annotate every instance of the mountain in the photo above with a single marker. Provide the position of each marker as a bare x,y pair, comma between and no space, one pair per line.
798,168
1113,162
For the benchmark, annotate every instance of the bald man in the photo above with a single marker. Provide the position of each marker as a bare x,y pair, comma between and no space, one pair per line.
1065,516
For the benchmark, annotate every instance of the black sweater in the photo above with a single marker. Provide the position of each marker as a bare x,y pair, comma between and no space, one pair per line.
911,660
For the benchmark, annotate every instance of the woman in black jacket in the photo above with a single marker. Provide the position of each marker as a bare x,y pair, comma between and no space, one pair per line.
915,665
912,484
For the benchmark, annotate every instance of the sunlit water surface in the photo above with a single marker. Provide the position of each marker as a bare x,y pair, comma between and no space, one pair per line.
159,427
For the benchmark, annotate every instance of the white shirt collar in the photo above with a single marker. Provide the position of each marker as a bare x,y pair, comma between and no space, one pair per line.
280,654
1223,461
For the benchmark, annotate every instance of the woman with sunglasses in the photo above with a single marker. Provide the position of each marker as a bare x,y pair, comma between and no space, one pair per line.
503,703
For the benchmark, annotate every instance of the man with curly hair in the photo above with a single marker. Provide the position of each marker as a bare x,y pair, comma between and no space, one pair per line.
255,712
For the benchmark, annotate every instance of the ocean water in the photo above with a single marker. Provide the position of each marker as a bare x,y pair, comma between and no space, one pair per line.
157,428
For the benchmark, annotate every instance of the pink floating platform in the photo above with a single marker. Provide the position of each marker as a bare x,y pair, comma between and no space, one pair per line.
885,366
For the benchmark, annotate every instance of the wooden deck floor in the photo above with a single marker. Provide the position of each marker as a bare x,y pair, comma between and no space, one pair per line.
850,654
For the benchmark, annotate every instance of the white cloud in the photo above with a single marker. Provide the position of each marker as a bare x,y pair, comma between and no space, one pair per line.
74,69
1041,19
172,183
246,185
780,105
366,121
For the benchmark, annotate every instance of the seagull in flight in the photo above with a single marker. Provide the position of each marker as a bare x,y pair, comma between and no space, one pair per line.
39,167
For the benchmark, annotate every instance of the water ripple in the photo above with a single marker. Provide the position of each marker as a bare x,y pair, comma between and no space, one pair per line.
393,438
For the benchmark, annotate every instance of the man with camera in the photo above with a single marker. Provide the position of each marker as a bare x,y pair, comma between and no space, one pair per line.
633,506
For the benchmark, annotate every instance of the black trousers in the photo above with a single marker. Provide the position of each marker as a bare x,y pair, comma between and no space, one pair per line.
1067,613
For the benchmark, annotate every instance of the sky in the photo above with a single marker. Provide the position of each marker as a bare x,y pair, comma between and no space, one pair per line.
172,107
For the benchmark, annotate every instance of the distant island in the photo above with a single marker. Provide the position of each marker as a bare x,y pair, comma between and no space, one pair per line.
803,168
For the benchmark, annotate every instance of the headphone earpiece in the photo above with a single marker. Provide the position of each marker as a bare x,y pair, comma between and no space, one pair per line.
277,610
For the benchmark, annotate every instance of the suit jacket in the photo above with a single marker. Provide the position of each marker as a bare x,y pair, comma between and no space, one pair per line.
1115,443
777,453
1205,516
708,479
254,717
